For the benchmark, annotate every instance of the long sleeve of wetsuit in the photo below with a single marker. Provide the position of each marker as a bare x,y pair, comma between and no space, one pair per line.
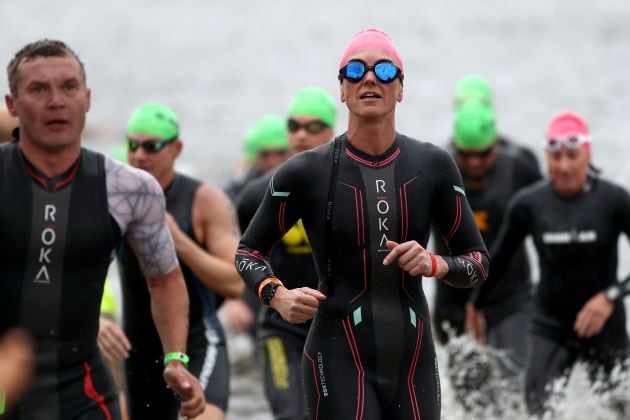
468,260
277,213
514,230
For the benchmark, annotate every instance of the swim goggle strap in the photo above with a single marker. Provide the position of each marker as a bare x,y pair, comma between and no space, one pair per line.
385,71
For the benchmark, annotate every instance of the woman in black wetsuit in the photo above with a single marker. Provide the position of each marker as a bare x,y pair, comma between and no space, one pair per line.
575,219
367,201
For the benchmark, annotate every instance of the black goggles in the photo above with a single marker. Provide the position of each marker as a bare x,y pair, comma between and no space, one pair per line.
312,127
355,70
150,146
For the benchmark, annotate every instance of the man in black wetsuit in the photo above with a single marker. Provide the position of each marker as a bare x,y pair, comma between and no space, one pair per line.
575,220
312,114
491,176
64,211
266,147
367,201
203,225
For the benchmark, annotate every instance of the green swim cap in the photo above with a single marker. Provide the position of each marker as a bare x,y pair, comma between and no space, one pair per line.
249,145
314,102
154,119
473,87
474,125
270,132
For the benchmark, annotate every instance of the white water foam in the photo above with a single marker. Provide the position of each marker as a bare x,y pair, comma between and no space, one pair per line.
478,384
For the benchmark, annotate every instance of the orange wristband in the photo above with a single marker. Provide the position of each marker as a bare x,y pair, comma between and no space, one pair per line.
266,282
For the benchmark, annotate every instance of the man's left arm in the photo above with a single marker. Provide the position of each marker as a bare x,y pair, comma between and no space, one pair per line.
137,203
215,226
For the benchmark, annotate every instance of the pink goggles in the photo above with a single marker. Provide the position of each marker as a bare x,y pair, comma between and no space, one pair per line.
573,142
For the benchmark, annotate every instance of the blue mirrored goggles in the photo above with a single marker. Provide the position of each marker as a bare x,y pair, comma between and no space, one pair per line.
385,71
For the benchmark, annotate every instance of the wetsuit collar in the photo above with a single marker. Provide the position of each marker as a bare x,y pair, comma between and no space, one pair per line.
55,183
172,184
363,158
589,185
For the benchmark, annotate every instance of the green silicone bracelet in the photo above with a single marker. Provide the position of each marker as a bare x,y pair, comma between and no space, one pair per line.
3,402
177,355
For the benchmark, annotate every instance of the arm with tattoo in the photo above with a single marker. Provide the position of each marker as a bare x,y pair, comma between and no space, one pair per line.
137,204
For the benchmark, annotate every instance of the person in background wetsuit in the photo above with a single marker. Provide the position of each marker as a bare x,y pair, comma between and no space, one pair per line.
265,149
575,220
203,224
449,304
367,201
491,176
310,123
67,208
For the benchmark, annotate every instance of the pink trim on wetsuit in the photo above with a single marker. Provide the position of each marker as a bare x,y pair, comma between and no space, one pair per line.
358,212
360,220
316,383
458,218
404,212
354,348
477,259
365,286
412,371
281,213
256,254
371,164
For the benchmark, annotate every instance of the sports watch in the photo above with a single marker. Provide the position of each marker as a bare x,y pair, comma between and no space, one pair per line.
612,293
268,291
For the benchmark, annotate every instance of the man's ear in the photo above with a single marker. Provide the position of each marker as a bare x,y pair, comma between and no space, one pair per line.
10,102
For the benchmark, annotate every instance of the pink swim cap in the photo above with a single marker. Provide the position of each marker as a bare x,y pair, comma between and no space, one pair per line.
371,38
567,124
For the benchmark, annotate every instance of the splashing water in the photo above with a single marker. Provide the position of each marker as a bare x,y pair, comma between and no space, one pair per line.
479,382
577,397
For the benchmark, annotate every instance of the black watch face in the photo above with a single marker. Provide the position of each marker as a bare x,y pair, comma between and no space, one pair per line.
267,292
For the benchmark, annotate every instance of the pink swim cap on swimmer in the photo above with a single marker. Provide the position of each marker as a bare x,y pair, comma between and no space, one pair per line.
371,38
567,124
